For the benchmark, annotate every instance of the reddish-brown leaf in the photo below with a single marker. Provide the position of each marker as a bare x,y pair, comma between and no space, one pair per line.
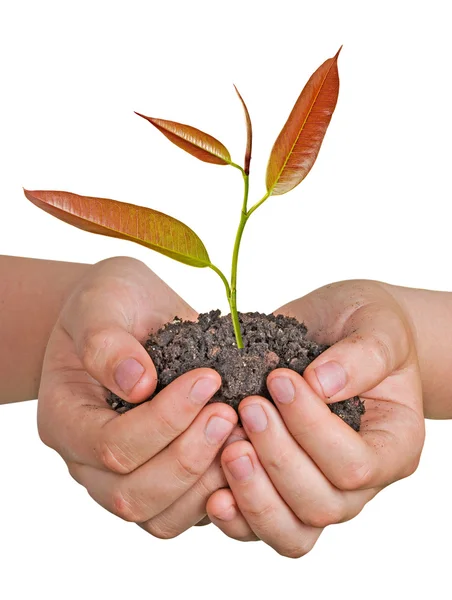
298,144
138,224
192,140
249,134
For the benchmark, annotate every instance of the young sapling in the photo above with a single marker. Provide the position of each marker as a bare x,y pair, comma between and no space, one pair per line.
255,344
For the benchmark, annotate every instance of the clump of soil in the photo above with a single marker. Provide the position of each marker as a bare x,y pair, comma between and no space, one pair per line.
269,342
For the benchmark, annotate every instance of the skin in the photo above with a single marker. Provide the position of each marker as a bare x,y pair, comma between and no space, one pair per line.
157,464
430,315
378,332
303,468
32,293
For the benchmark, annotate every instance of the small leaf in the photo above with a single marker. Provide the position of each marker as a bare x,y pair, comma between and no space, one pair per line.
249,134
298,144
192,140
138,224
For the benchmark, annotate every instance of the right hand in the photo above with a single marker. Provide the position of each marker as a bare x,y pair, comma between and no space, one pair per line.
303,468
157,464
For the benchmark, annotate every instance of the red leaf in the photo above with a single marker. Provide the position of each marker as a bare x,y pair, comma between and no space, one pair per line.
192,140
298,144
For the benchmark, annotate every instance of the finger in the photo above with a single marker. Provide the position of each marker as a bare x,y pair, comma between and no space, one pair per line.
296,477
224,513
117,304
238,434
382,454
262,507
189,509
374,343
121,443
105,342
153,487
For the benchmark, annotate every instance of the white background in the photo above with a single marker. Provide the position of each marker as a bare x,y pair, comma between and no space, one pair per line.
377,205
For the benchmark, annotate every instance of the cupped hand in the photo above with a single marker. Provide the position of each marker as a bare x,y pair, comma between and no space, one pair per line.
303,468
157,464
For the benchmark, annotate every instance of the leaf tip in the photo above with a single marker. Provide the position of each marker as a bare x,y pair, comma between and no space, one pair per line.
338,52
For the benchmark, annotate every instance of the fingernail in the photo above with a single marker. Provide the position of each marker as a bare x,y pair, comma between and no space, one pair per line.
254,418
227,515
332,378
234,438
128,373
217,429
241,468
282,390
203,390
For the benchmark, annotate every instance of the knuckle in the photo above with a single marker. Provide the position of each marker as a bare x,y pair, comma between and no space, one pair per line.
263,516
93,347
279,462
162,528
381,353
166,428
203,487
355,476
322,518
124,507
297,551
187,470
211,481
113,458
307,430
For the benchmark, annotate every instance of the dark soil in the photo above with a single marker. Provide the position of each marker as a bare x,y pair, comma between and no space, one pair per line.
269,342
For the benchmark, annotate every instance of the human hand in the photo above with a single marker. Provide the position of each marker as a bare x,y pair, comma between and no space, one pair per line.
157,464
304,468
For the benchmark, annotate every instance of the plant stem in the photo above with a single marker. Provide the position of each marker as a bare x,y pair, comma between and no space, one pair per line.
223,279
261,201
235,257
231,291
234,315
233,164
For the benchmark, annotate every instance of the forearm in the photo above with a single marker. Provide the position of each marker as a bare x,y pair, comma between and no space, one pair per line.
430,313
32,293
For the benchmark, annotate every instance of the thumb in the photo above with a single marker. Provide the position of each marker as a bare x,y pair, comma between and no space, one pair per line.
118,361
376,343
107,348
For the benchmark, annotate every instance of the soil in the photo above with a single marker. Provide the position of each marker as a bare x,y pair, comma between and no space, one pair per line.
269,342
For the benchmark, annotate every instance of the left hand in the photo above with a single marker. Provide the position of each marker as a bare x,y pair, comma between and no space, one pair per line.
304,468
157,464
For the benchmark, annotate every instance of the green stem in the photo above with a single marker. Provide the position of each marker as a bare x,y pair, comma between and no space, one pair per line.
231,291
233,164
234,315
261,201
235,257
223,279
